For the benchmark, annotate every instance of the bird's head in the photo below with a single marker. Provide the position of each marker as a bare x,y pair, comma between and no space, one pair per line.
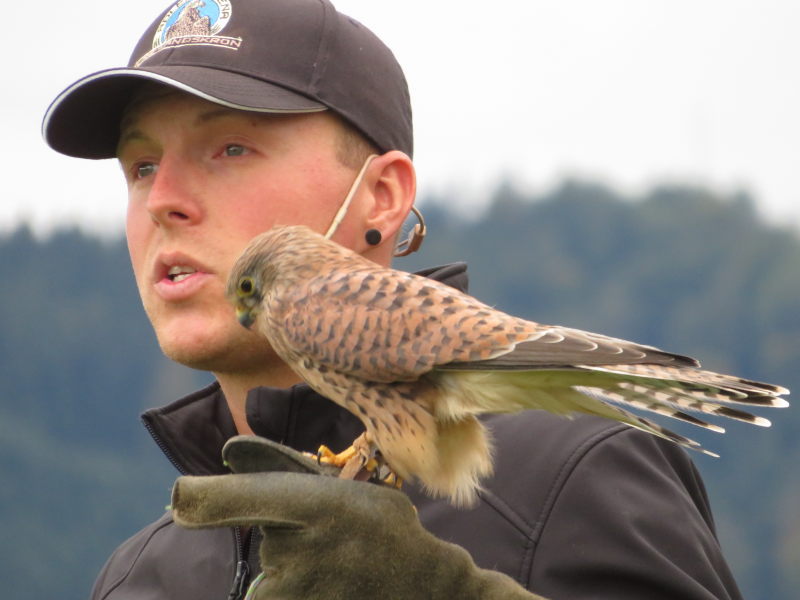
250,279
279,254
246,295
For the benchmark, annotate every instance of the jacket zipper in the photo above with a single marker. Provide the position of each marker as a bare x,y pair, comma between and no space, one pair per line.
242,575
164,449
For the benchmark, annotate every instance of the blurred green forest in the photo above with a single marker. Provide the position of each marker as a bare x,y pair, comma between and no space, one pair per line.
683,268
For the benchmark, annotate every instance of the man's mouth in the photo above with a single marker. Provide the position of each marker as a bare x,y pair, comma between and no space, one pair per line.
179,273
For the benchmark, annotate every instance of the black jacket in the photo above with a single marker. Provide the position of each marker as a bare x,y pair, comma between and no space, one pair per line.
577,509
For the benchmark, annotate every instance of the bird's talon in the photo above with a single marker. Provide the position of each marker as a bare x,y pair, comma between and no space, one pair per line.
326,456
393,480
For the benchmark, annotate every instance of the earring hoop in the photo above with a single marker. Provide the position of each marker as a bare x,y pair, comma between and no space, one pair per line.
415,238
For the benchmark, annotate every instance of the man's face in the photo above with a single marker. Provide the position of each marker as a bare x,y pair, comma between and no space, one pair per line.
202,181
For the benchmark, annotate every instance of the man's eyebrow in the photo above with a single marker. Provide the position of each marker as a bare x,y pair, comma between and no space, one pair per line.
251,118
132,135
129,132
216,113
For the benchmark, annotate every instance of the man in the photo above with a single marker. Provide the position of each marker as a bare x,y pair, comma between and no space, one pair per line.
268,112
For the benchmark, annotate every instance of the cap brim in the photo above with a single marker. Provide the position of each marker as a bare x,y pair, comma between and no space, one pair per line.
83,121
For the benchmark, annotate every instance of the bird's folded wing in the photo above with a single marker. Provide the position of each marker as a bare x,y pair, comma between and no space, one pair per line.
386,325
565,347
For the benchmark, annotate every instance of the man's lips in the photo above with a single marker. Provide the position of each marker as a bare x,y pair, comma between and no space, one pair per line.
177,276
178,273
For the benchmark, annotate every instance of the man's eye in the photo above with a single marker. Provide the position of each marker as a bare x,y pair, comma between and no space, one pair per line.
144,170
235,150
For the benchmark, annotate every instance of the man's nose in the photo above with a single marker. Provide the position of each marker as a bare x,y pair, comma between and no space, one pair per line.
174,196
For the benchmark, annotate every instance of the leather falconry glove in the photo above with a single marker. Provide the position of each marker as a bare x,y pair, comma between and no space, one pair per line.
330,538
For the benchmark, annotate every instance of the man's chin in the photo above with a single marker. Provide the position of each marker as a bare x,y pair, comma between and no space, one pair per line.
233,357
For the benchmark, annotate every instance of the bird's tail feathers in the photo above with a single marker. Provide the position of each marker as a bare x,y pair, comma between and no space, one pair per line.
642,401
598,393
703,384
671,401
601,397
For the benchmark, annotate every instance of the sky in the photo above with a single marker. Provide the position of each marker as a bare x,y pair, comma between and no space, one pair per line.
630,93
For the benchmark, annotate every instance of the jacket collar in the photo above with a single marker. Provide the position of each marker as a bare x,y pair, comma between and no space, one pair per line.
192,431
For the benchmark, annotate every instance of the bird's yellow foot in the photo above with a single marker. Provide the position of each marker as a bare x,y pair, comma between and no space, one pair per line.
392,479
362,461
326,456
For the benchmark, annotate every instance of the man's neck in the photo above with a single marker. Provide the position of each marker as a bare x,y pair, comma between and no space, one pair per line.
236,386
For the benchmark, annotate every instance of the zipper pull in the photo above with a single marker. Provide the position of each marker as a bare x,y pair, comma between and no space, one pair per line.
239,581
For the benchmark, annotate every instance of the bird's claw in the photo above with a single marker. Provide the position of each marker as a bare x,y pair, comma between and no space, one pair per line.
326,456
362,461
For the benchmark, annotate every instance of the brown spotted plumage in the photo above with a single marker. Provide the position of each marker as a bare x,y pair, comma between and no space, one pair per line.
417,361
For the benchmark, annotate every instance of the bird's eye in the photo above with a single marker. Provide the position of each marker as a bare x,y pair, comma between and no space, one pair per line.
246,286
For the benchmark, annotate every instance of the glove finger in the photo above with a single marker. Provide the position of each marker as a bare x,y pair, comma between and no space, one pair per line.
281,500
222,501
253,454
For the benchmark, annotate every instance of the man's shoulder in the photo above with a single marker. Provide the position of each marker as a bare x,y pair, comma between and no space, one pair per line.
542,460
120,563
534,453
158,558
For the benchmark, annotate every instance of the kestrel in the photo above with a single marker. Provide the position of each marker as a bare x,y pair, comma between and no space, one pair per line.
417,361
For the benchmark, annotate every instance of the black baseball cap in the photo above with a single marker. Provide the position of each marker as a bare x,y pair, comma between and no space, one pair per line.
274,56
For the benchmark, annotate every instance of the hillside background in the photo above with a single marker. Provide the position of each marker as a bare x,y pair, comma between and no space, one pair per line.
683,268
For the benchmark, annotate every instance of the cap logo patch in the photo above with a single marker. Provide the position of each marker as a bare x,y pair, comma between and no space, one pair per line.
193,23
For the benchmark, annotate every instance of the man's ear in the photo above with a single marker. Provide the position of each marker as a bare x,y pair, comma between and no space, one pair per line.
393,186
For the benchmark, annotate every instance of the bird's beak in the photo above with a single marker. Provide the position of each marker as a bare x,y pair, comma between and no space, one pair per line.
246,317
